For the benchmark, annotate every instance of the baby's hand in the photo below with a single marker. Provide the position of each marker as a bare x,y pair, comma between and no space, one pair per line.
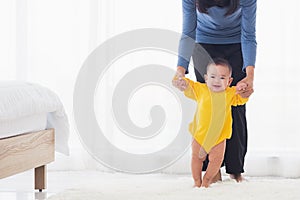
241,86
202,153
180,83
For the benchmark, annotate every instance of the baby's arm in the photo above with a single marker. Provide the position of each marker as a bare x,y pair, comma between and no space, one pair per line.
192,89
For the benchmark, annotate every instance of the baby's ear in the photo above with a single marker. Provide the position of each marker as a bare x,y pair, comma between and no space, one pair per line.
205,77
230,81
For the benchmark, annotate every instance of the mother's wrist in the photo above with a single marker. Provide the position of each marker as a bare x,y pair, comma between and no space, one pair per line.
250,71
181,69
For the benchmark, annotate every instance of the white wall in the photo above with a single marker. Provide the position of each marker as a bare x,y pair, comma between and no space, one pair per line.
61,33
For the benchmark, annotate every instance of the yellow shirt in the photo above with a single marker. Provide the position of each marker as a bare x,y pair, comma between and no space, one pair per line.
212,121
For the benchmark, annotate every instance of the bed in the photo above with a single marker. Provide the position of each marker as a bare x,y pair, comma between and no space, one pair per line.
33,125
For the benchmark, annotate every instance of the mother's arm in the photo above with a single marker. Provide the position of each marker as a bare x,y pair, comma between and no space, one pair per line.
187,40
248,42
248,80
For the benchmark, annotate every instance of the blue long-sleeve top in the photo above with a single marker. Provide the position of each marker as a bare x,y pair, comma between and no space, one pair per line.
216,28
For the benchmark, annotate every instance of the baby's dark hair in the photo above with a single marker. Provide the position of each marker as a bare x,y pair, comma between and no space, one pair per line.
220,61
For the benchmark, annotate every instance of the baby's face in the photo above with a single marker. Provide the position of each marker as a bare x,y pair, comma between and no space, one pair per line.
217,78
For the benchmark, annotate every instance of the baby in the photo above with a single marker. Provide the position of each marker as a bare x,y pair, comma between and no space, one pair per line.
212,123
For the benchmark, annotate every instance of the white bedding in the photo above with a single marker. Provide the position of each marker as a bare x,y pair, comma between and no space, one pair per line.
22,125
22,103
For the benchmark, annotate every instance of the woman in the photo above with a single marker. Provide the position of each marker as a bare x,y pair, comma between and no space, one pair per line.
226,29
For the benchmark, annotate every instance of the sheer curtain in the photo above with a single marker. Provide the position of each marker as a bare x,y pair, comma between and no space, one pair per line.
47,42
7,40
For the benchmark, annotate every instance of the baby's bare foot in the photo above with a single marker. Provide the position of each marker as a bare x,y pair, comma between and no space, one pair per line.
217,177
206,182
197,183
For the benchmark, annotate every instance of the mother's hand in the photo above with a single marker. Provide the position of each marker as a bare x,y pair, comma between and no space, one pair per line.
177,81
245,92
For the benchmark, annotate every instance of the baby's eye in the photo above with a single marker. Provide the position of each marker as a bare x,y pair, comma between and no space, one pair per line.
222,78
212,76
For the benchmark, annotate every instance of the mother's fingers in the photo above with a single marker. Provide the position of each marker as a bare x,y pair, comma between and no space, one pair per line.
241,86
246,93
179,83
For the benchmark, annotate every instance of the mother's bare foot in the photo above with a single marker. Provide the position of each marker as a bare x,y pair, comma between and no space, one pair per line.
238,177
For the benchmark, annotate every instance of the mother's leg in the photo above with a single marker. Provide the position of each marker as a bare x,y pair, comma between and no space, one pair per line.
237,145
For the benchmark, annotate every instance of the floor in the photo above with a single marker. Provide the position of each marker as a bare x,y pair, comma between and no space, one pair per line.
20,187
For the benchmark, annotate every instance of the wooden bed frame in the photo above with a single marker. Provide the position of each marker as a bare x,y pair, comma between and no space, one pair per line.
27,151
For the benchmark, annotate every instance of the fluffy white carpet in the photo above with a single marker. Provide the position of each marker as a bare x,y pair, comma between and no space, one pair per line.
176,187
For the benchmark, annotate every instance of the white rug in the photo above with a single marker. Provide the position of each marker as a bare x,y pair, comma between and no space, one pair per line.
174,187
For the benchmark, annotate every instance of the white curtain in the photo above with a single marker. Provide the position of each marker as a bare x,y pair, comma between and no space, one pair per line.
7,40
47,42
